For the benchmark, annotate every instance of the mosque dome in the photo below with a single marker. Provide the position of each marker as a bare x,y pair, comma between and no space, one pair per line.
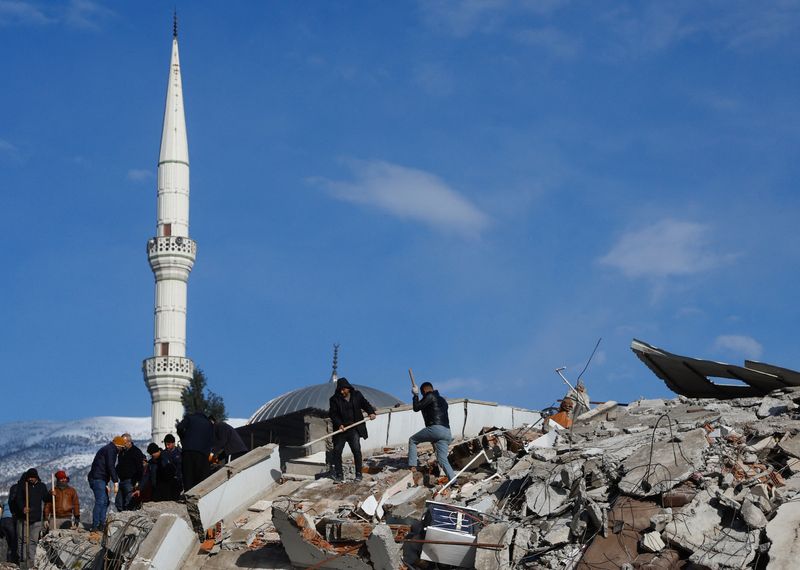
316,397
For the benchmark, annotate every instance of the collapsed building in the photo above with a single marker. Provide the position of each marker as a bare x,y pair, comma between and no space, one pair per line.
685,483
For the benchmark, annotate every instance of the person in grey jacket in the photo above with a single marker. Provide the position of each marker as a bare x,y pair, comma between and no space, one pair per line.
436,430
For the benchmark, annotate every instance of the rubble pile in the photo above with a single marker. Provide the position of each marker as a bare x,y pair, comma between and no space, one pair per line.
117,547
682,483
655,484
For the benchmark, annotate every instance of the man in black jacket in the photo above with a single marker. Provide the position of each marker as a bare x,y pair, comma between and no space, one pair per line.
437,427
228,444
130,466
197,437
37,495
346,405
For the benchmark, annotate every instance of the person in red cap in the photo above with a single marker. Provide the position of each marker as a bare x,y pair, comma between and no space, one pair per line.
68,506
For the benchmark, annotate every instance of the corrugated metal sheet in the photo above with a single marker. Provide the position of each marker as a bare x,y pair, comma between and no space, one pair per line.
316,397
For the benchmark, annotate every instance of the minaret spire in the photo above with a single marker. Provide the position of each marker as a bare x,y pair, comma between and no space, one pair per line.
175,23
171,254
334,376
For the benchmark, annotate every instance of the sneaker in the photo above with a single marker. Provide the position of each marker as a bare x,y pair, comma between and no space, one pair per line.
359,477
337,478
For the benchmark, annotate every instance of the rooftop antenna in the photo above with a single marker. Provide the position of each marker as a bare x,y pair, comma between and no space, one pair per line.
175,23
334,376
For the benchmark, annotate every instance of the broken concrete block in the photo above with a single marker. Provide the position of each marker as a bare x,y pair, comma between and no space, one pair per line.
305,546
752,515
773,407
596,412
233,487
571,473
384,553
761,490
651,542
260,506
489,559
544,453
597,516
782,532
651,472
544,499
559,531
523,537
700,531
660,521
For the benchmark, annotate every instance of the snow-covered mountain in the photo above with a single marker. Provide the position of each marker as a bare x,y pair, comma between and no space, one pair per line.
69,445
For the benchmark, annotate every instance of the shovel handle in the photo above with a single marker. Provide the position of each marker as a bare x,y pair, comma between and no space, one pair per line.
411,375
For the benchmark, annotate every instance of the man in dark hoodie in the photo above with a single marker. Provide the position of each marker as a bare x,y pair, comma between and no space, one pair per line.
130,466
29,486
228,444
437,427
346,406
197,437
102,471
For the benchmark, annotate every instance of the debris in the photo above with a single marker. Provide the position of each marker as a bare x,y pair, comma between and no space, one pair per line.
496,533
651,542
383,551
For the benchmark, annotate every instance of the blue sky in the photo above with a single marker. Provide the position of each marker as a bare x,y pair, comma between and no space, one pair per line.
478,190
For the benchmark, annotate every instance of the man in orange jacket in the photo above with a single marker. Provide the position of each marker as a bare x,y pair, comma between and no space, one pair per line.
68,507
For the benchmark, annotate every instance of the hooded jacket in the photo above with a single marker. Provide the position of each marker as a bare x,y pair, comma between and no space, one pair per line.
344,412
38,495
227,440
433,408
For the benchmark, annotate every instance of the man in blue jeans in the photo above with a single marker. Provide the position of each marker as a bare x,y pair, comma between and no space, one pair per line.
437,427
102,471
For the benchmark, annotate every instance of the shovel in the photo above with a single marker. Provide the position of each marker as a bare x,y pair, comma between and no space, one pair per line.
324,437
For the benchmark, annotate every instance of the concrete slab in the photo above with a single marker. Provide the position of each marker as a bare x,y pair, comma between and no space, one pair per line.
488,559
784,533
384,553
233,488
650,472
168,544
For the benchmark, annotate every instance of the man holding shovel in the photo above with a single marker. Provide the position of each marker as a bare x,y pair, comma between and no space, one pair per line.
346,406
437,426
29,501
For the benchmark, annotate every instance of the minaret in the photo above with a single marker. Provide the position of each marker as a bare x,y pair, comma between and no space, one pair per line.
171,255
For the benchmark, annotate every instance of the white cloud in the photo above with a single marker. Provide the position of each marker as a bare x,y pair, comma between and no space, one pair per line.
139,174
15,12
667,248
460,18
82,14
739,344
85,14
7,147
408,193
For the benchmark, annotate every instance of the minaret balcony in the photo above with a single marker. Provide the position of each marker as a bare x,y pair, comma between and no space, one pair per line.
172,245
172,256
161,366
